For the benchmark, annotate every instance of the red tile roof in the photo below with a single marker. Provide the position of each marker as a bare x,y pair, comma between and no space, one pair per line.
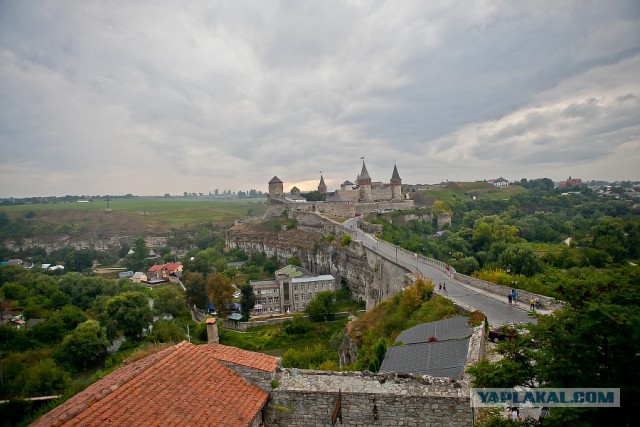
157,267
182,385
172,266
238,356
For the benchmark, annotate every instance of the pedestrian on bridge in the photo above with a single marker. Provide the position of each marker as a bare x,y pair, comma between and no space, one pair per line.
509,298
444,289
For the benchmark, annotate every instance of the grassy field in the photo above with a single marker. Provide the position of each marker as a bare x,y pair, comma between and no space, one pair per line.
146,214
464,191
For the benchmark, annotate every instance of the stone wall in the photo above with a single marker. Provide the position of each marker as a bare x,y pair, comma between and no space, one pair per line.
522,296
477,347
243,326
308,398
364,208
260,379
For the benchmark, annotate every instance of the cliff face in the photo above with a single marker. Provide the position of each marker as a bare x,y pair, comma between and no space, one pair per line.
369,277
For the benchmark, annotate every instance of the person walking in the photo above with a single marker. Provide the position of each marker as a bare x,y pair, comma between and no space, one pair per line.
532,303
444,289
514,297
509,298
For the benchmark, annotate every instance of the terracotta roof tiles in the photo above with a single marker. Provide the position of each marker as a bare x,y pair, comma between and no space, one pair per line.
238,356
182,385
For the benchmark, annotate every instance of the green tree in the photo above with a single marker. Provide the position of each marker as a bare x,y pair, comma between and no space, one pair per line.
220,292
609,236
247,301
271,265
14,291
294,260
167,331
137,260
521,260
86,344
196,290
315,196
592,341
169,300
322,307
131,314
378,350
50,331
46,378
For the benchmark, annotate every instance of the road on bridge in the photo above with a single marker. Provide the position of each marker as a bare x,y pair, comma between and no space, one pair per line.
495,307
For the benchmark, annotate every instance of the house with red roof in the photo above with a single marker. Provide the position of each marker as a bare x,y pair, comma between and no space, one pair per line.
182,385
163,271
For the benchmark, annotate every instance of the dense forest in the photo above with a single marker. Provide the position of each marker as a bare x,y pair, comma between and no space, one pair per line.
78,326
536,238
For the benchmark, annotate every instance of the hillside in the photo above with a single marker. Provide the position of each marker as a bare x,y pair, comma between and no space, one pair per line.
464,191
132,216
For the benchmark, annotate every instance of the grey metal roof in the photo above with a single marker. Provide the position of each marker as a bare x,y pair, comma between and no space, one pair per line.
442,330
438,359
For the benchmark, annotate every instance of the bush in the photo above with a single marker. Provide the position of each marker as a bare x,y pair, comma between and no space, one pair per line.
307,358
346,239
299,325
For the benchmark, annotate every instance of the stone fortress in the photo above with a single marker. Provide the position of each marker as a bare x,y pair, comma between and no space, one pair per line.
362,197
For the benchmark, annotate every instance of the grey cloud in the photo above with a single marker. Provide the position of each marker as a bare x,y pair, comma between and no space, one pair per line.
239,92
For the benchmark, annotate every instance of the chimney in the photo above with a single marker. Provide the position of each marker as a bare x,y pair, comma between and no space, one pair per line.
212,331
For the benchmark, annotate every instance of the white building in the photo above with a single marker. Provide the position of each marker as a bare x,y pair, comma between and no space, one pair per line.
291,291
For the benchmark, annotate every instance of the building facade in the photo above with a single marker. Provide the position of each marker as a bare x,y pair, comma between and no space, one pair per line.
291,290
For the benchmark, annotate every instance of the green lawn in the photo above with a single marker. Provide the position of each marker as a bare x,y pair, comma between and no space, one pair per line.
149,213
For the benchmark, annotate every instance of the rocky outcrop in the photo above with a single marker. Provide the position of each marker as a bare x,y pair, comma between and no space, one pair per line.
369,277
348,350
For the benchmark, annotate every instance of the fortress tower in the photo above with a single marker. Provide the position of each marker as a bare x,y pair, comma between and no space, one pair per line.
322,187
396,185
364,184
275,188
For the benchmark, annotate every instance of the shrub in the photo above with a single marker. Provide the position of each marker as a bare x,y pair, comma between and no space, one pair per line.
299,325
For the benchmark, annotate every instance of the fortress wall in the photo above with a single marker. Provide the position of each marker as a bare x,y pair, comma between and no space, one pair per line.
339,209
381,193
364,208
308,398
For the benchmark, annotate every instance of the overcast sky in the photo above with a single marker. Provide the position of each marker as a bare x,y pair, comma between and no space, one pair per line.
154,97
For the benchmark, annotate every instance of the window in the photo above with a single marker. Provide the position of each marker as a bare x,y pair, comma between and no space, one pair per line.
302,297
295,297
295,288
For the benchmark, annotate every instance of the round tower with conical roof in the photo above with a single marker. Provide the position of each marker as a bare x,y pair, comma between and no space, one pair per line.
322,187
364,184
275,188
396,185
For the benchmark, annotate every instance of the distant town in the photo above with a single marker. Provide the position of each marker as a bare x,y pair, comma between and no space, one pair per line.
627,189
